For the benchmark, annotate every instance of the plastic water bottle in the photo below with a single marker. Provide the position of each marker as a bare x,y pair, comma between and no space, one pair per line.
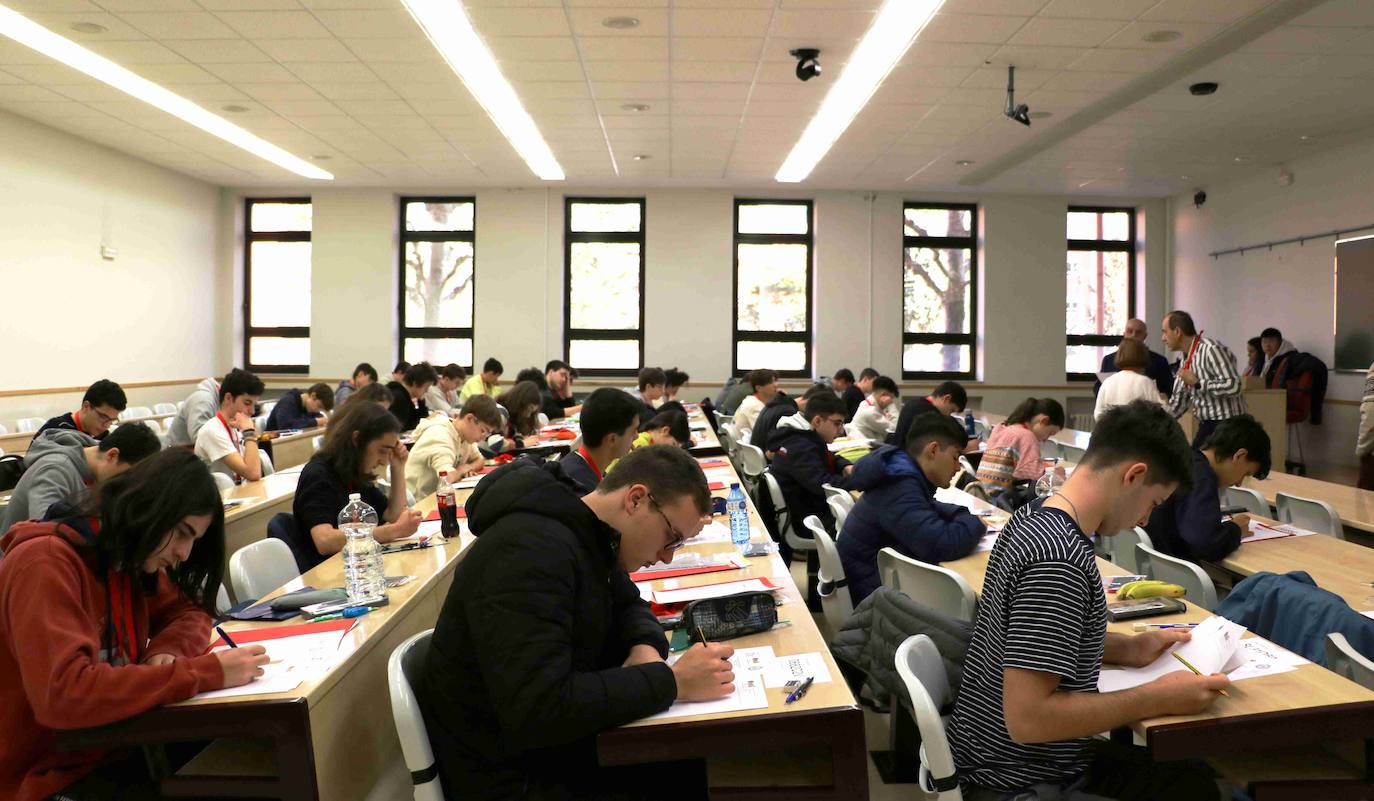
364,579
739,516
969,427
1048,483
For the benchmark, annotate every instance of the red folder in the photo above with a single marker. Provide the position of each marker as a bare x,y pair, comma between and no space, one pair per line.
434,515
278,632
654,575
716,485
707,464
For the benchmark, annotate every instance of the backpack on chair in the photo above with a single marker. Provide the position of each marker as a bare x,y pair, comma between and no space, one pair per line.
11,470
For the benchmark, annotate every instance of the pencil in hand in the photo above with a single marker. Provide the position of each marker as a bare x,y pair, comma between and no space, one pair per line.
1196,672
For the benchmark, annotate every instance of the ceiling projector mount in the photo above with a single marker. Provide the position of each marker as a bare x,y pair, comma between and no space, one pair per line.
1019,113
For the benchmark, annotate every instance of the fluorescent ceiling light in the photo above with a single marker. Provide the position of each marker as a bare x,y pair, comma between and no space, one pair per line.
452,34
30,34
893,30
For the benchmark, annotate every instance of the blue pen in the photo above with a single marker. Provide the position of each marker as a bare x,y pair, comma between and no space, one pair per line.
225,635
1148,626
800,691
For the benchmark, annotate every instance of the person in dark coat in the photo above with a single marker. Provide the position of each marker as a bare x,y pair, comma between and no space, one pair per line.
297,409
543,640
947,399
898,508
1158,370
408,395
802,460
1188,524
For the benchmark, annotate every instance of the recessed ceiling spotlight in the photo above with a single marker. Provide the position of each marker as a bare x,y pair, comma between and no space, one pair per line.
233,109
642,157
1242,159
1157,37
634,106
620,23
1040,115
88,27
1185,178
1305,138
964,162
1203,88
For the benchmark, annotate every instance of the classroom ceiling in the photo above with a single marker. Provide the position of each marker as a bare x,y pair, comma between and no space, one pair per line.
355,84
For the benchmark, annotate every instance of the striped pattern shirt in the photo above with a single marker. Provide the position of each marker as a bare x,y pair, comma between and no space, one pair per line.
1217,393
1042,609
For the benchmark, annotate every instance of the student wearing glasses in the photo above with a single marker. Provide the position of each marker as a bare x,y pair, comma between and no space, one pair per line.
802,461
449,446
100,407
543,641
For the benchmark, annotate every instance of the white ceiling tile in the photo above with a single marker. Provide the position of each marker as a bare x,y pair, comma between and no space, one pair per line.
410,49
1192,35
428,92
179,25
175,73
132,53
207,92
279,91
61,24
844,24
628,71
28,93
947,54
303,108
971,28
544,70
1290,39
250,5
355,90
218,51
1046,32
1044,58
7,78
119,6
720,22
631,90
588,21
11,52
726,48
252,73
519,22
362,108
325,50
1103,59
709,91
397,72
619,48
1096,9
390,23
1222,12
311,72
1020,8
532,48
31,7
275,24
996,77
50,73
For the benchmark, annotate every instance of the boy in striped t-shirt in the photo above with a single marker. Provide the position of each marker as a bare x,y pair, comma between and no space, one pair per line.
1028,704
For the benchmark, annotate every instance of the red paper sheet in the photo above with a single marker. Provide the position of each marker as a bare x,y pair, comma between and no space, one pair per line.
716,485
654,575
278,632
707,464
434,515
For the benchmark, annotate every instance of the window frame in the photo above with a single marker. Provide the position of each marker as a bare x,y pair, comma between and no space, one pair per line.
809,239
949,242
405,332
285,332
1127,246
570,238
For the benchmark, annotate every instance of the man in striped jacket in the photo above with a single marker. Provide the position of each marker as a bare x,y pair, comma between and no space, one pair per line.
1207,380
1364,445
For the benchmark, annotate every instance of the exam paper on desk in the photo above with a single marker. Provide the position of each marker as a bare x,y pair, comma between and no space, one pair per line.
748,694
1216,647
294,660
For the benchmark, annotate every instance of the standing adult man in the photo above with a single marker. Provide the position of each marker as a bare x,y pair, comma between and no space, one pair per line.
1364,445
1157,370
1207,381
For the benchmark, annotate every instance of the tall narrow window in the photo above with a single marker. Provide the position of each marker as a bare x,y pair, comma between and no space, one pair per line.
1101,285
276,285
939,290
437,276
773,241
603,333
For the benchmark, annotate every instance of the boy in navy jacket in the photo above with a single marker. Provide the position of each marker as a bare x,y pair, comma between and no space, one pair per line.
298,409
802,462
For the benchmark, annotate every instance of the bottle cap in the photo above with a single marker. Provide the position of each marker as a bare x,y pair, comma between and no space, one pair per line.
355,496
734,485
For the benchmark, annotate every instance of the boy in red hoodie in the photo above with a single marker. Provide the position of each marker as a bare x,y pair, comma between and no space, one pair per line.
105,614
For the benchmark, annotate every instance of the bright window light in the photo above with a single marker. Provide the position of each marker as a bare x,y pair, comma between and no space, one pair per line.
452,34
30,34
894,29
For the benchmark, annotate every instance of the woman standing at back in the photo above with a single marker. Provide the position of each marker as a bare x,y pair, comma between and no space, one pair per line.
1130,382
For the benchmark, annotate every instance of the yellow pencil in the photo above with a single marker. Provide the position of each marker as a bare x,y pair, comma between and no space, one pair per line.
1189,665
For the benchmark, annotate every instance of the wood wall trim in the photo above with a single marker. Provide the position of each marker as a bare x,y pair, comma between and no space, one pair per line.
14,393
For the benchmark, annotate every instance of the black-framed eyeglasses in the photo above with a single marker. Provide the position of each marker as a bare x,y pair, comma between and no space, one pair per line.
104,418
678,539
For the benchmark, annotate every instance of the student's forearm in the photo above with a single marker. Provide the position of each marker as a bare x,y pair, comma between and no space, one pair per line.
252,460
1068,716
1118,649
328,540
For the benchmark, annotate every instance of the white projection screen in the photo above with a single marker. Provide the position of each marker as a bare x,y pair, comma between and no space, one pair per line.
1355,304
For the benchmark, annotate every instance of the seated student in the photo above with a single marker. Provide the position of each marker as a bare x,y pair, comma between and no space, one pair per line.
443,396
1364,437
543,641
60,464
669,427
1276,352
398,373
765,386
1028,425
675,380
363,375
372,393
802,462
1254,358
610,421
733,394
877,415
297,409
408,395
898,508
484,383
449,445
782,405
1028,705
100,408
556,396
949,398
63,663
652,381
198,407
228,442
1129,383
843,382
521,403
1189,525
362,440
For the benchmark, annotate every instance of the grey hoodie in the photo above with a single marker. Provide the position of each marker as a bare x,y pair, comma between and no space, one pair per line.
55,469
200,406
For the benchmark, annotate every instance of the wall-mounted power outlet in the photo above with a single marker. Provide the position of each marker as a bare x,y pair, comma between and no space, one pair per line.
108,252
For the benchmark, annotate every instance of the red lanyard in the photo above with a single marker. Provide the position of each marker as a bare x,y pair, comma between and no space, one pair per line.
582,449
76,418
1197,343
233,435
122,619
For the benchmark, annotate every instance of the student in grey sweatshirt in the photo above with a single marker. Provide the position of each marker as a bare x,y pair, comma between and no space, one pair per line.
199,406
61,463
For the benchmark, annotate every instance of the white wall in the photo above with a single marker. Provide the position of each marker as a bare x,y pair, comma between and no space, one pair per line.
1290,287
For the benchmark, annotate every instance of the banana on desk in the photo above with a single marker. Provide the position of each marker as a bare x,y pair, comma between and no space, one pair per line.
1149,589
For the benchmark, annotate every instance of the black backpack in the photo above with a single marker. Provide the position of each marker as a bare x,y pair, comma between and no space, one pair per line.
11,469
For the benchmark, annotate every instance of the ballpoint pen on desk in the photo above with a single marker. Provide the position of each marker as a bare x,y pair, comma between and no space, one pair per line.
1189,665
349,613
1150,626
800,691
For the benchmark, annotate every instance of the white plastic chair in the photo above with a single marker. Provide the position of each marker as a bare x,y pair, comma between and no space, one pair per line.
1253,502
1071,453
257,569
266,408
936,587
832,585
134,412
402,667
3,430
164,408
225,483
260,423
727,441
784,517
1194,580
1318,516
222,599
1342,658
841,496
317,442
1120,550
27,424
840,511
923,672
752,462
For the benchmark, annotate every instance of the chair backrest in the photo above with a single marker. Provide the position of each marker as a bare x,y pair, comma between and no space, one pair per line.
751,460
164,408
317,442
840,511
222,481
1120,550
840,495
222,599
402,668
1071,453
832,586
27,424
1253,502
260,422
135,411
3,430
266,408
261,567
1342,658
783,515
727,441
1318,516
936,587
1192,578
923,673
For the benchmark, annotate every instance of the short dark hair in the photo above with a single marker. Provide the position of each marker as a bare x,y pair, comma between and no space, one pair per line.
344,456
1132,354
815,389
1271,333
484,408
240,382
366,369
844,374
422,373
106,393
868,372
933,426
557,364
673,420
324,394
676,378
493,365
135,442
762,378
1241,431
1181,320
651,377
607,411
522,402
954,390
1031,408
532,374
1141,431
453,372
372,393
824,404
884,384
401,366
669,473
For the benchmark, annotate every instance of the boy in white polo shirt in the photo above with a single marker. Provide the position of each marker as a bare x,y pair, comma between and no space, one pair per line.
227,441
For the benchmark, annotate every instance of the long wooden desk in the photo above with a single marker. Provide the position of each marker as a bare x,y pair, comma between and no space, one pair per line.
294,449
246,524
1342,567
1355,506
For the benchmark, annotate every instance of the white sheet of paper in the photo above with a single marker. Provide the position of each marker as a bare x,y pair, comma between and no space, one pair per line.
782,669
714,531
1263,531
1264,658
1369,614
295,659
1214,647
710,591
749,691
987,542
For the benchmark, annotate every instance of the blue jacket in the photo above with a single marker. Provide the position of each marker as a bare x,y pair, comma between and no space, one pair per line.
1189,525
801,464
1294,612
290,413
898,510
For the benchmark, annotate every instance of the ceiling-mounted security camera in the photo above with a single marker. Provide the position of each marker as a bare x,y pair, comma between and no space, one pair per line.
1019,113
808,62
1199,197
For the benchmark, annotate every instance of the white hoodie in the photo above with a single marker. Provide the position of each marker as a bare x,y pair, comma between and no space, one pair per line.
1285,347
